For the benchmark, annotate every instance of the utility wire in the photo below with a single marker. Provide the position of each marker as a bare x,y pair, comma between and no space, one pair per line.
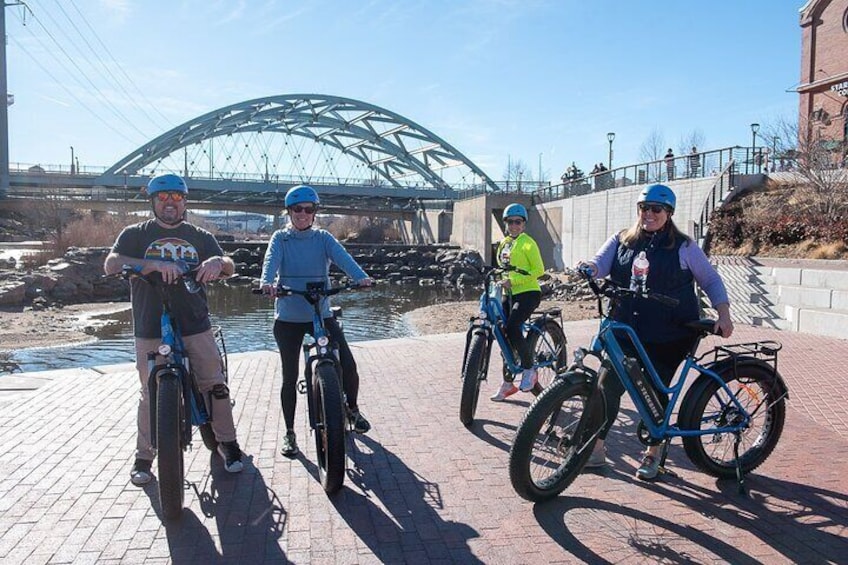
108,103
129,79
74,96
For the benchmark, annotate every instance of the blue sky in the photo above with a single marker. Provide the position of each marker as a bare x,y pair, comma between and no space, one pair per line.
523,80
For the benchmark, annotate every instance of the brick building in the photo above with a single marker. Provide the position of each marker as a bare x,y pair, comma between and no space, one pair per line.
823,90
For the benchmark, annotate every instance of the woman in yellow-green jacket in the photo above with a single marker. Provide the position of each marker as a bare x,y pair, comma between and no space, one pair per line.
523,294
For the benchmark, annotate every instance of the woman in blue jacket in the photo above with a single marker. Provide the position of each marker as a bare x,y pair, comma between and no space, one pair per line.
676,264
298,254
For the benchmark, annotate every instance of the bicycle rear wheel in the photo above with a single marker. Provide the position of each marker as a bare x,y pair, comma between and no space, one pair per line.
329,427
170,421
755,387
554,439
473,372
550,351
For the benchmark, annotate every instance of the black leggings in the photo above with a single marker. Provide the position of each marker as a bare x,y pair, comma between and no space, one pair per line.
289,337
666,357
522,308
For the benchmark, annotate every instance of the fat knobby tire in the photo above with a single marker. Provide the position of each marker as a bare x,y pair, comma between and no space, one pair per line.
549,404
756,388
169,422
329,427
475,363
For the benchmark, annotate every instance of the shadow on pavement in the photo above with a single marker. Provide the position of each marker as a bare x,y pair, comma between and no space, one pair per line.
393,510
249,515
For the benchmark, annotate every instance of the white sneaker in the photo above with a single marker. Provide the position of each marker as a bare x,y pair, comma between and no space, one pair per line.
506,389
529,377
598,457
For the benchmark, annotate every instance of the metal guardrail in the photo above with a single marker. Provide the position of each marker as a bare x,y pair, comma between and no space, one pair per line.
745,160
725,183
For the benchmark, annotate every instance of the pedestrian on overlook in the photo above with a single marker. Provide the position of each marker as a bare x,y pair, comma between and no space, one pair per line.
150,246
522,294
676,264
296,255
694,162
669,164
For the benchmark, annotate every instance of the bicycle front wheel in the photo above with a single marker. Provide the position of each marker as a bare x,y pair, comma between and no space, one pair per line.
170,421
550,351
554,439
329,427
755,387
473,373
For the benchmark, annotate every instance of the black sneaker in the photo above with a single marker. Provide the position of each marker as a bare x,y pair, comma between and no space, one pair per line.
290,445
358,422
231,453
141,474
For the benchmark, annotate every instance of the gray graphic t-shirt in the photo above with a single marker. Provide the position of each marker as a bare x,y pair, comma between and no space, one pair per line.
149,240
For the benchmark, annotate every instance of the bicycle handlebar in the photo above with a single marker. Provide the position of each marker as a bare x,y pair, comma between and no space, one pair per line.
312,295
131,271
487,270
613,291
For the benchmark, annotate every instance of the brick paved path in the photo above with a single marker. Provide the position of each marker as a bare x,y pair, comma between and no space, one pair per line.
421,488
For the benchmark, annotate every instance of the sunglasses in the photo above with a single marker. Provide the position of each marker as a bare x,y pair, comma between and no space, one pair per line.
514,221
175,196
297,208
655,208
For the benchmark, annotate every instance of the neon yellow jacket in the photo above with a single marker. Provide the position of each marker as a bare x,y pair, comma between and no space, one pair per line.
523,253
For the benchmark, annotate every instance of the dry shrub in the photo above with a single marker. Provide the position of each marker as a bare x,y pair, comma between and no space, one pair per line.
834,250
90,230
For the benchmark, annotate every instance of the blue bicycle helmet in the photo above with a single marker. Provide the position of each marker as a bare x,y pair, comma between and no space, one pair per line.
300,194
659,194
514,210
166,183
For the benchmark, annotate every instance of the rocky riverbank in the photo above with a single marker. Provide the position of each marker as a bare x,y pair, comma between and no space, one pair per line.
62,301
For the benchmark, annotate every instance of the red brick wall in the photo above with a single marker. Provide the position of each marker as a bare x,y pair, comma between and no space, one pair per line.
824,58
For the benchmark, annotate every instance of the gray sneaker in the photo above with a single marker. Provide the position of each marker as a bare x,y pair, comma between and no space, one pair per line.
290,445
231,453
649,469
598,458
141,474
358,422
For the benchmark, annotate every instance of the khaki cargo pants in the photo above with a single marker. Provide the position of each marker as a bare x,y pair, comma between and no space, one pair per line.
206,364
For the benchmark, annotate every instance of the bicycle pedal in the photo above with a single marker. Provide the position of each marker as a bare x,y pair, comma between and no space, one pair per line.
301,386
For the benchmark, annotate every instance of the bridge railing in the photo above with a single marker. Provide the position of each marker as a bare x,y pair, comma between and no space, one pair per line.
697,165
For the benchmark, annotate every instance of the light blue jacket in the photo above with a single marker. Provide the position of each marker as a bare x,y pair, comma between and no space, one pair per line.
294,258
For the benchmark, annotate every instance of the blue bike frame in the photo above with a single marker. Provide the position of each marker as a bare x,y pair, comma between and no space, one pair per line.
491,303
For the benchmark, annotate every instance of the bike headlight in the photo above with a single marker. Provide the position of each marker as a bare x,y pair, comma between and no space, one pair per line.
482,315
164,349
323,341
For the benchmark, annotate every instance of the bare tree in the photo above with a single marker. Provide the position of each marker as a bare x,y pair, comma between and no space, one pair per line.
694,138
518,175
820,161
653,149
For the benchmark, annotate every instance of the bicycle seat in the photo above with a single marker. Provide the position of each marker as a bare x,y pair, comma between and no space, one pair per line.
704,326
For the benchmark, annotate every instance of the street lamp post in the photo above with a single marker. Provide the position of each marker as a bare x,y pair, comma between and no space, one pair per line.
73,169
774,141
610,138
755,127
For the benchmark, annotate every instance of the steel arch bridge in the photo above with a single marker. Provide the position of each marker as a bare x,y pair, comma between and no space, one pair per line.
342,146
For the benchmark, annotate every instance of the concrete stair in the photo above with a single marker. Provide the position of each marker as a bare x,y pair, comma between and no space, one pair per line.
809,296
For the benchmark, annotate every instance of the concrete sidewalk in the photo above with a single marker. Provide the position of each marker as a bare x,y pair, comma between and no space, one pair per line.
421,488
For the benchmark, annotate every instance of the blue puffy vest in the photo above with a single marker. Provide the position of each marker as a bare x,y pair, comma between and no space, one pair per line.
653,321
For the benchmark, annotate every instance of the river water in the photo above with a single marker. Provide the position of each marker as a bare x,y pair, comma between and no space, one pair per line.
247,320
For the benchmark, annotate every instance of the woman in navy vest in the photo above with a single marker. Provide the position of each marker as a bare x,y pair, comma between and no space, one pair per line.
676,264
